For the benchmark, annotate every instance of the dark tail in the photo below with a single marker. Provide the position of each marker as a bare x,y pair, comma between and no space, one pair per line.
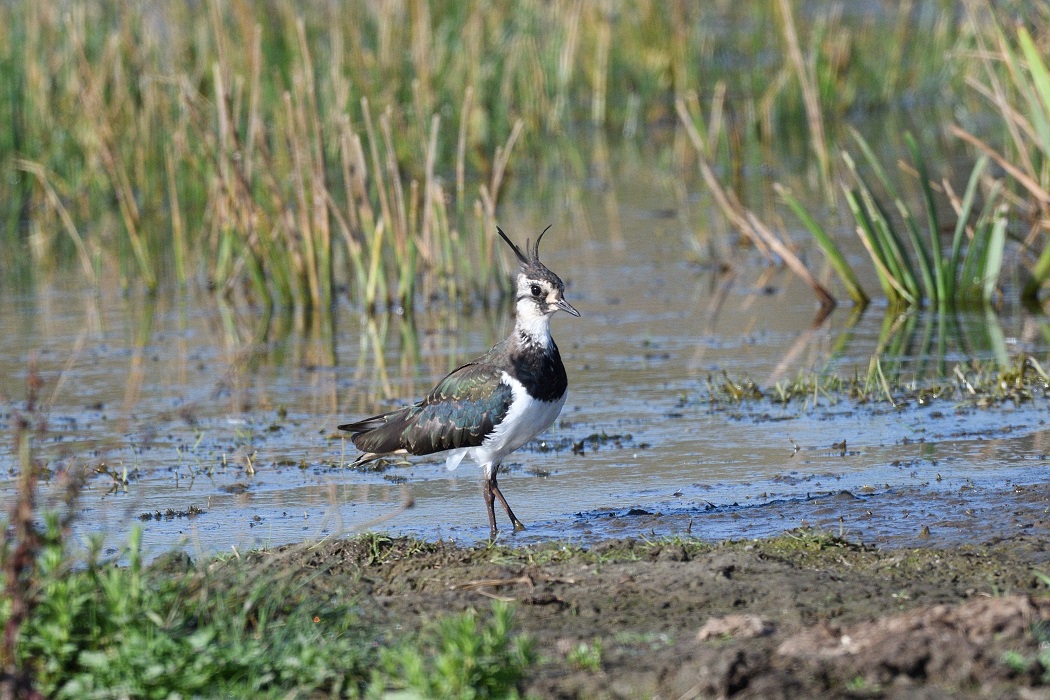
363,426
377,435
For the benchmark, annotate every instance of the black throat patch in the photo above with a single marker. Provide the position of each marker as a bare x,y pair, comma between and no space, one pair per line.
540,371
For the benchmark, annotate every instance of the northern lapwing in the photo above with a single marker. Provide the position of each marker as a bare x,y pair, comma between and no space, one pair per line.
494,404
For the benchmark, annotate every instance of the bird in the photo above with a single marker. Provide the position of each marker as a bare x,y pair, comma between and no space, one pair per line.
494,404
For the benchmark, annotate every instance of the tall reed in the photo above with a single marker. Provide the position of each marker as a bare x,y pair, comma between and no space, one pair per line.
913,268
280,152
1015,80
772,245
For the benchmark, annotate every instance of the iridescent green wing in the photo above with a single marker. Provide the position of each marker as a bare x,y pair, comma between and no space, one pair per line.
460,412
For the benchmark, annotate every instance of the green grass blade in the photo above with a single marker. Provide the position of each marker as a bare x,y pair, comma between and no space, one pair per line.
905,270
1040,274
871,242
922,257
934,253
894,256
1041,82
891,285
960,226
905,263
827,244
970,286
897,257
873,162
992,264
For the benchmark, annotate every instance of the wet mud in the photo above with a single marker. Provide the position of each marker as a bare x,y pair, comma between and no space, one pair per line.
807,613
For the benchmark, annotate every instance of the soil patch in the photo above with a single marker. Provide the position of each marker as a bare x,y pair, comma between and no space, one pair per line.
804,614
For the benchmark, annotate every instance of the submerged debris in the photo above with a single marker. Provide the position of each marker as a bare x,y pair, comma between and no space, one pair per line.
594,441
171,514
974,384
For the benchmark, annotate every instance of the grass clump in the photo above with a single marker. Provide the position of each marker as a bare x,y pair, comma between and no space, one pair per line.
1014,78
976,383
80,626
586,656
232,629
101,630
1037,664
460,656
911,264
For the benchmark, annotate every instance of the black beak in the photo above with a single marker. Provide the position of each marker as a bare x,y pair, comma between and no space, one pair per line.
567,308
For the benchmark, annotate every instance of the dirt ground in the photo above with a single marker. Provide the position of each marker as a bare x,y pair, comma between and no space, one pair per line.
803,614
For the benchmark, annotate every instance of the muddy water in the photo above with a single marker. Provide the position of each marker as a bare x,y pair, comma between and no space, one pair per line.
213,430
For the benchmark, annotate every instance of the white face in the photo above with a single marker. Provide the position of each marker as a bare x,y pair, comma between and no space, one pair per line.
536,298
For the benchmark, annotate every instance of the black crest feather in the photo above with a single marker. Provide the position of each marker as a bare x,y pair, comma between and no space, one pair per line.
531,256
536,248
513,246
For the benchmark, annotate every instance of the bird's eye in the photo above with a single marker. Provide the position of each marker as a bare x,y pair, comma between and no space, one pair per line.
536,291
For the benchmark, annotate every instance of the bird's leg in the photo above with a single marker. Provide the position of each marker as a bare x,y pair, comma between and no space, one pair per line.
518,527
490,501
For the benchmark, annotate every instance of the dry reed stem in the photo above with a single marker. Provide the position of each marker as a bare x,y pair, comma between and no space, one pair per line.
565,65
304,233
603,44
429,190
503,157
461,145
94,108
1029,183
180,250
393,171
386,213
38,171
810,97
349,192
744,219
310,124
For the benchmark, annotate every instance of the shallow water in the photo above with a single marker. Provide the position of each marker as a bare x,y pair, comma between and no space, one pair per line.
172,399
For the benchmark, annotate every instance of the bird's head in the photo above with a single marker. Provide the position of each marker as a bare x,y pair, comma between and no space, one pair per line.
538,292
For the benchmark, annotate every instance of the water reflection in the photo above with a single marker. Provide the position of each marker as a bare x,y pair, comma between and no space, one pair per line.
184,400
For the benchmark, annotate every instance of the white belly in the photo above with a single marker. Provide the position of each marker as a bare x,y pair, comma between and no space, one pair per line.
527,418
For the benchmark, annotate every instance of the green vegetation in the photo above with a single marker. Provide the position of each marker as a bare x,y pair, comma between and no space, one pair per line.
1037,663
78,626
1021,101
278,153
461,657
914,266
925,274
220,630
99,630
586,656
984,384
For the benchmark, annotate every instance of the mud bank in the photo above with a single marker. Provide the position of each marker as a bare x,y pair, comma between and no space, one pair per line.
802,614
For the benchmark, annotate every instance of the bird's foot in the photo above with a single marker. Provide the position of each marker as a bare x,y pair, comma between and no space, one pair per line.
518,527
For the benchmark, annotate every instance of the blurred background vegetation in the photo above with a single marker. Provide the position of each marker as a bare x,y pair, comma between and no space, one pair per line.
281,156
281,153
